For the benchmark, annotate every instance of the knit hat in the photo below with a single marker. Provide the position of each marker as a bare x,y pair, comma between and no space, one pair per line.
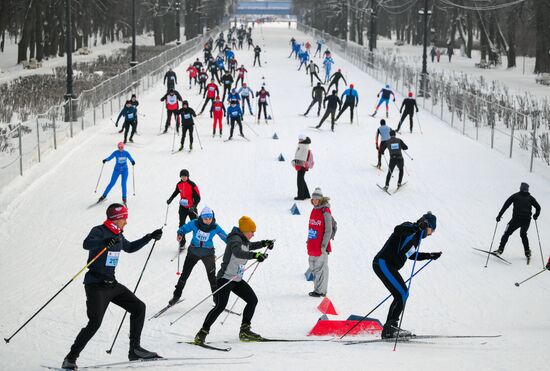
246,224
392,133
302,137
410,94
207,213
382,122
184,172
430,219
317,194
117,212
524,187
351,86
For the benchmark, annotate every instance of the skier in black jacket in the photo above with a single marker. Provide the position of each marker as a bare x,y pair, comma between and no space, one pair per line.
257,51
395,145
521,217
102,287
403,244
410,105
171,78
317,94
313,69
333,103
187,124
227,81
335,80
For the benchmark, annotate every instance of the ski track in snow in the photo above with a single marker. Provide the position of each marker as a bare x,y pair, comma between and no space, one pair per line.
463,182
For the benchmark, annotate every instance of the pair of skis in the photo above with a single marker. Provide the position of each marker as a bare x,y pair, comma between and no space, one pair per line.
242,136
420,337
263,340
391,193
496,255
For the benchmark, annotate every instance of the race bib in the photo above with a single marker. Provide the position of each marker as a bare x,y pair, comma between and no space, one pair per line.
121,160
262,99
234,113
410,252
172,78
394,146
202,236
211,88
240,271
217,108
112,258
172,99
311,234
184,202
187,116
130,116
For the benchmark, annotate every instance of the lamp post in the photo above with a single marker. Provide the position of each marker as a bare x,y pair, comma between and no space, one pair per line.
177,21
424,75
133,62
372,36
69,44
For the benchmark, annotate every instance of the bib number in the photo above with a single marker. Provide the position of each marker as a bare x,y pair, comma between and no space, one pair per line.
202,236
187,116
130,116
184,202
122,160
395,146
311,234
112,258
240,271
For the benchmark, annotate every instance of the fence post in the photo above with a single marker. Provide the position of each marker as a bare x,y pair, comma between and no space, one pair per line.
94,115
534,142
441,101
492,132
54,133
38,138
476,117
452,113
512,134
20,151
463,116
71,116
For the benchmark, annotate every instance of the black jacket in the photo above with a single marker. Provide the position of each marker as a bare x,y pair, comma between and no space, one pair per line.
103,269
523,201
170,76
257,50
336,77
227,79
401,245
318,92
395,145
409,104
333,102
187,115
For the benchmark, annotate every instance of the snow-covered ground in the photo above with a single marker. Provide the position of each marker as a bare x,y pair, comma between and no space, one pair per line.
462,181
519,79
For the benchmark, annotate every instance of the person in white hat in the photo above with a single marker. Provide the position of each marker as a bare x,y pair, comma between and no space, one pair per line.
303,161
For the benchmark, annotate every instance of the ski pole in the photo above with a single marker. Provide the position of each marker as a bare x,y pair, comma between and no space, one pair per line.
134,178
98,179
7,340
412,159
198,136
540,246
525,280
217,290
383,301
237,298
166,217
491,247
419,126
161,117
250,127
271,109
135,289
408,289
174,139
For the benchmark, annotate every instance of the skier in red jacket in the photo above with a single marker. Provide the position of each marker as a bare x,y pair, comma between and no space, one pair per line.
172,108
218,109
192,71
212,91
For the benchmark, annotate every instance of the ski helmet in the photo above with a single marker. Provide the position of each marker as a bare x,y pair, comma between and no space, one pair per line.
387,86
184,172
410,94
120,145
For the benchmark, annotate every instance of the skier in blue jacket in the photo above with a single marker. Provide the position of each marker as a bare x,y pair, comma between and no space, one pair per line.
327,64
304,58
235,114
130,118
350,97
386,93
201,248
120,169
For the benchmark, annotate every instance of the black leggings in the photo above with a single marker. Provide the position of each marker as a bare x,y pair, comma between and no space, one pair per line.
319,102
264,106
188,265
169,114
344,107
237,120
205,103
126,127
303,191
381,148
403,117
393,281
393,163
512,226
98,297
332,113
184,130
242,290
257,58
183,212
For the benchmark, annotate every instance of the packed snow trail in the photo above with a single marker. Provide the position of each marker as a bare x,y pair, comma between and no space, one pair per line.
461,181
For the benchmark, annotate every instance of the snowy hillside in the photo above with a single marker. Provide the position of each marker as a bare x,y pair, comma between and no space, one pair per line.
461,181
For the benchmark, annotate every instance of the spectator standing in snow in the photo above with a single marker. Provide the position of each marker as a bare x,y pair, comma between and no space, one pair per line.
303,161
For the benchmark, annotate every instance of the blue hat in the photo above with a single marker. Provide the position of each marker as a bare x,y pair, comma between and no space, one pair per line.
430,219
207,213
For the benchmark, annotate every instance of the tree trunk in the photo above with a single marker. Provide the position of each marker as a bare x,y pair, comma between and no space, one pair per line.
39,33
470,26
511,52
23,44
542,14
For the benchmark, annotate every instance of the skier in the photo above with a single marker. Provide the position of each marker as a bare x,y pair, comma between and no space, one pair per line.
327,64
294,48
227,81
172,108
303,161
130,116
250,42
257,51
190,197
395,146
218,111
192,71
335,79
233,95
203,77
198,65
235,115
170,79
304,57
433,53
102,287
318,241
213,69
187,124
232,65
262,102
333,103
313,69
521,217
120,169
351,101
403,244
318,94
410,104
200,248
211,92
308,47
385,98
238,251
135,103
246,93
319,47
240,75
384,132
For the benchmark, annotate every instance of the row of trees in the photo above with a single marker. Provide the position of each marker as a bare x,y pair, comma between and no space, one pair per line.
39,25
495,27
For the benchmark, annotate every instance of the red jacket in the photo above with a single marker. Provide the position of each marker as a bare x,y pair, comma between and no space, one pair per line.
316,231
211,90
218,109
192,71
188,191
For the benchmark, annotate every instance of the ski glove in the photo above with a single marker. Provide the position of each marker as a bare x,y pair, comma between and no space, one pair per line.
260,257
133,163
498,218
156,234
536,216
435,255
104,161
268,243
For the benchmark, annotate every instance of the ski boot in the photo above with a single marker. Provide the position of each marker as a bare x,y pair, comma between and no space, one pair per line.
200,337
398,185
499,251
101,199
386,188
177,295
220,133
213,133
528,256
137,352
191,146
391,331
245,334
181,148
315,294
69,363
387,114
